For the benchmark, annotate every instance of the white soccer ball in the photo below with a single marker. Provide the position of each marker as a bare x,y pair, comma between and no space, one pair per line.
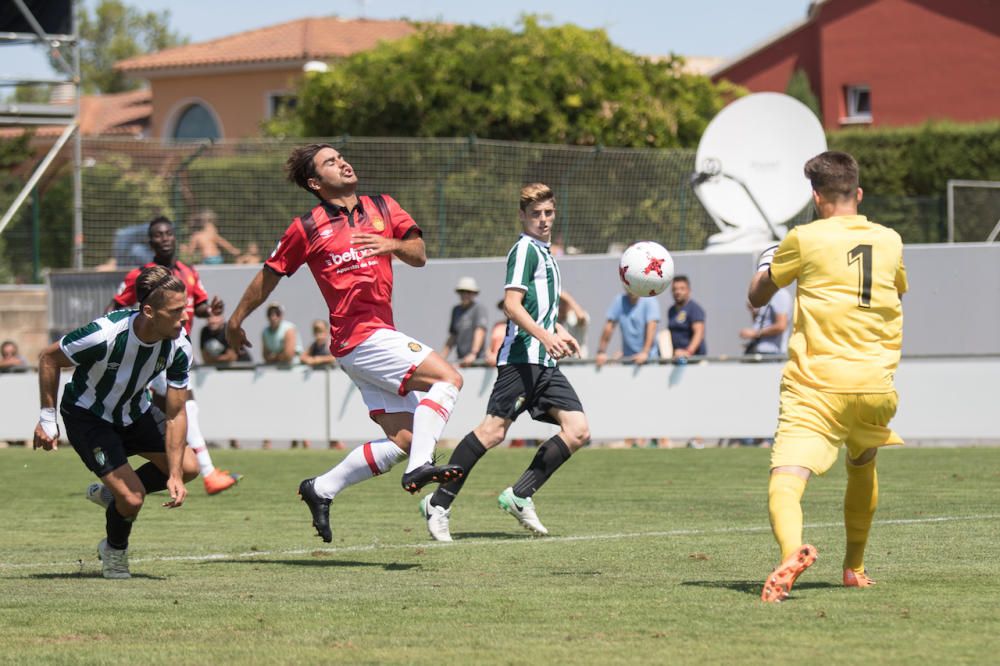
646,268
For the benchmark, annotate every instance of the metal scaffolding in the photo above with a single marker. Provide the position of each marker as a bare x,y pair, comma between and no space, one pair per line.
65,115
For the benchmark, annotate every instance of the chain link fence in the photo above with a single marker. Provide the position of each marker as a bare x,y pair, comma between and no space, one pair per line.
462,192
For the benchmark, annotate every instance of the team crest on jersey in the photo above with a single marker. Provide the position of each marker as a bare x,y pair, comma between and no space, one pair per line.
378,223
414,347
160,365
682,317
100,457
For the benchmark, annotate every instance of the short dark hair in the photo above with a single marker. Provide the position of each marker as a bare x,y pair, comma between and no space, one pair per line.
4,344
153,282
300,166
276,309
833,175
159,219
682,278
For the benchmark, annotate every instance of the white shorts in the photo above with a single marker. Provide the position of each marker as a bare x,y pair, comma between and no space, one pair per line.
380,367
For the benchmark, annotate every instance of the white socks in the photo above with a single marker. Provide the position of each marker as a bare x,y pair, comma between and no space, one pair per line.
429,420
196,441
361,463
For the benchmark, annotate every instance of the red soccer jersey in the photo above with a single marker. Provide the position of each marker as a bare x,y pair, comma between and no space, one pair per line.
357,287
189,276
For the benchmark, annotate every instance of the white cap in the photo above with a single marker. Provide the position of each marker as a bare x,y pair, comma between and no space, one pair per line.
467,284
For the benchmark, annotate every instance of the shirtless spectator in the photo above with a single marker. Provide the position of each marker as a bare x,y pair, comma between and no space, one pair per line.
206,240
10,359
251,256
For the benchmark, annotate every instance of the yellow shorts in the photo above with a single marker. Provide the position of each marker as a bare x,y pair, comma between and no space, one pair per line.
813,425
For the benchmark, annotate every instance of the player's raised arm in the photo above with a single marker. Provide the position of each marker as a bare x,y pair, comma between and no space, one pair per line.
256,293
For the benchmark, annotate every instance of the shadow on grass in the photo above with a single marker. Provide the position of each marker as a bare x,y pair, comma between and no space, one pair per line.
752,587
319,562
85,574
493,535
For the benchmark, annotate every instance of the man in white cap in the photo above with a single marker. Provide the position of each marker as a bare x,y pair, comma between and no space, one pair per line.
467,330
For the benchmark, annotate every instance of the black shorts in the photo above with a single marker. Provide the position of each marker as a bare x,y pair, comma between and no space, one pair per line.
103,446
533,388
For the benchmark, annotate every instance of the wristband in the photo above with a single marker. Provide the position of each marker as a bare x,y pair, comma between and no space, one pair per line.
47,419
766,257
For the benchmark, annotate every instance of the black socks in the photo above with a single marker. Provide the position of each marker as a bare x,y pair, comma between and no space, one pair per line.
550,456
467,454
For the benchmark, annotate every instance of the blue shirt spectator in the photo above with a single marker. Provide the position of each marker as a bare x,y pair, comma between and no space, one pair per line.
638,318
686,321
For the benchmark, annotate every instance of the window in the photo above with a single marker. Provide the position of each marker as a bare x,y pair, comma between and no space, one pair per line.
857,104
196,122
279,102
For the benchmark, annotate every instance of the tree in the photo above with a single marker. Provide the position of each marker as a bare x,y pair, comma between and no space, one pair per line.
116,32
800,88
541,84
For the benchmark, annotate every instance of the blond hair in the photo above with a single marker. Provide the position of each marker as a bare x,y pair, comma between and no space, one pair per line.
534,193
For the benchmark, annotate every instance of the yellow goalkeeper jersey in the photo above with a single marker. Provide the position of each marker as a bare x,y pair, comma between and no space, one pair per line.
848,329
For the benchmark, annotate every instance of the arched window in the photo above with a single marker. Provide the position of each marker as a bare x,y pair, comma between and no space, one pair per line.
196,122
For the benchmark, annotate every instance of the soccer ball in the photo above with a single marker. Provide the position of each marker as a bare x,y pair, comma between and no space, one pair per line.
646,268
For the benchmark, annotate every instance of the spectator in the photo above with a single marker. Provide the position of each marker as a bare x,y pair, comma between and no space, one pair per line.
251,256
215,349
205,240
280,338
130,247
467,330
10,359
638,319
686,321
769,333
574,319
318,353
497,335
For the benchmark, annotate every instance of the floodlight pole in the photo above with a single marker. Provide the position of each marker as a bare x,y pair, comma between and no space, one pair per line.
77,154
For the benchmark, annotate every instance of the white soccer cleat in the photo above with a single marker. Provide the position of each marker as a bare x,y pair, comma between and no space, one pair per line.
114,562
522,508
437,519
99,494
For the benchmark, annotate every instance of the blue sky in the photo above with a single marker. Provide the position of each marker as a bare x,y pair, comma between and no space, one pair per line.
723,28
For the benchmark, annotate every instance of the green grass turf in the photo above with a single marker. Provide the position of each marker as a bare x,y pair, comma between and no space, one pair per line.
656,557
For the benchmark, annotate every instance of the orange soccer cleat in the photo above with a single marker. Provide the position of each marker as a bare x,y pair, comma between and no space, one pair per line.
779,583
219,480
854,579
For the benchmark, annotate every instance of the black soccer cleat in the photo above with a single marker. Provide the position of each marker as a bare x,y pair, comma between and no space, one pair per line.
319,507
430,473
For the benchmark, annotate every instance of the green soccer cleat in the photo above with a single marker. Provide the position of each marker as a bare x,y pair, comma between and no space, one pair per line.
522,508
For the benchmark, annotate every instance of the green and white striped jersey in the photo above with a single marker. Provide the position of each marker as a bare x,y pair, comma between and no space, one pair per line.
531,269
113,367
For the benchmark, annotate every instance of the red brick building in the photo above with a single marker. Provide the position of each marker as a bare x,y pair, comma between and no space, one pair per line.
886,62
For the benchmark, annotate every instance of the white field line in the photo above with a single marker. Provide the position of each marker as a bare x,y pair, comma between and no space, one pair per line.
208,557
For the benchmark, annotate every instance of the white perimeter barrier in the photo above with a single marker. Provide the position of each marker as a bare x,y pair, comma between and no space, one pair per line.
940,398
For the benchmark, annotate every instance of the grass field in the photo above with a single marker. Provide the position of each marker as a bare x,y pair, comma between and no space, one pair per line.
656,557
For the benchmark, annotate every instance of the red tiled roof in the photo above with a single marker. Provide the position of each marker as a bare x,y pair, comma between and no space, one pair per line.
303,39
118,113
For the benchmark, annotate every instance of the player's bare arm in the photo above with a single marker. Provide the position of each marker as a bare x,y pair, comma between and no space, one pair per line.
409,249
50,362
256,293
176,441
513,305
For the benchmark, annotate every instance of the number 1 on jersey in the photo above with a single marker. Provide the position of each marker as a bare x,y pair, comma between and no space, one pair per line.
863,255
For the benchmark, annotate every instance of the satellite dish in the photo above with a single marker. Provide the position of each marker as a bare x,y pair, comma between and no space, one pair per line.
749,168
